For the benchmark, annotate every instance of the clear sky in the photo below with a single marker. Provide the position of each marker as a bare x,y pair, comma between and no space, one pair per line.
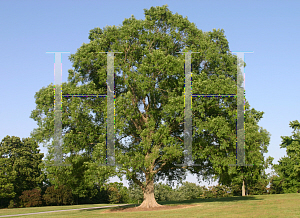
29,29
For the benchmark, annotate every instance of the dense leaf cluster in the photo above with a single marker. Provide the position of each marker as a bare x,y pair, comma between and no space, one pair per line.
20,167
287,171
61,195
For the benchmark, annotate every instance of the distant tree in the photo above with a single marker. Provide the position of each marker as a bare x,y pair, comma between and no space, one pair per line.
117,193
288,168
218,191
135,193
7,178
163,192
78,177
276,183
190,190
21,166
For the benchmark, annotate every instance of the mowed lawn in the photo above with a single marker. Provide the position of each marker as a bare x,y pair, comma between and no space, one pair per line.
281,205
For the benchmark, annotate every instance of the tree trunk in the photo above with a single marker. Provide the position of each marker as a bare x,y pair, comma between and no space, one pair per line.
149,199
246,188
243,188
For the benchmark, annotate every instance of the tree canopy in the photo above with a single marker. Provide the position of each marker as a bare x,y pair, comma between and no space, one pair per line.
149,73
20,166
288,168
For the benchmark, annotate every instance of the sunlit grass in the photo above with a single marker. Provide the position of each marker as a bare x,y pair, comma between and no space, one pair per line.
280,205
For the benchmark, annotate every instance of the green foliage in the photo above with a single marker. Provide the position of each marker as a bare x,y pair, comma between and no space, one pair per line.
74,176
190,191
276,186
218,191
288,168
84,142
135,193
256,141
96,195
58,196
236,189
102,196
20,167
31,198
149,67
116,193
124,195
260,188
12,204
163,192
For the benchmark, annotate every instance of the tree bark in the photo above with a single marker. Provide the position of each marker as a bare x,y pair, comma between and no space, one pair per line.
243,188
246,188
149,199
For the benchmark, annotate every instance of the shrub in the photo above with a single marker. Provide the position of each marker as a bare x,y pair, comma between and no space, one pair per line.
12,204
61,195
114,195
135,194
117,193
4,202
276,186
96,195
236,190
163,192
259,188
102,196
190,191
50,196
217,191
31,198
124,195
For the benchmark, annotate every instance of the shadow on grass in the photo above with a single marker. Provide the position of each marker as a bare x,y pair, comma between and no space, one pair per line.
225,199
116,208
185,202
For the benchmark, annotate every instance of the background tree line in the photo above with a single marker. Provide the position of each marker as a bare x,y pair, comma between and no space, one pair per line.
24,183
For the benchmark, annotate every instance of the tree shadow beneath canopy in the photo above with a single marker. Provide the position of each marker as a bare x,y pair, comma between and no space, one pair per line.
171,205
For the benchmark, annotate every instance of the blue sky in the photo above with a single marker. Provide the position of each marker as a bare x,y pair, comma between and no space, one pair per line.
29,29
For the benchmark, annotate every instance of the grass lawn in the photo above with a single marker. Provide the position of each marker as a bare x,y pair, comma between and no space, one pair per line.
46,208
281,205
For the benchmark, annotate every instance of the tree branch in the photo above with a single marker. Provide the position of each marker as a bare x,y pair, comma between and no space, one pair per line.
153,39
146,107
160,168
133,177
